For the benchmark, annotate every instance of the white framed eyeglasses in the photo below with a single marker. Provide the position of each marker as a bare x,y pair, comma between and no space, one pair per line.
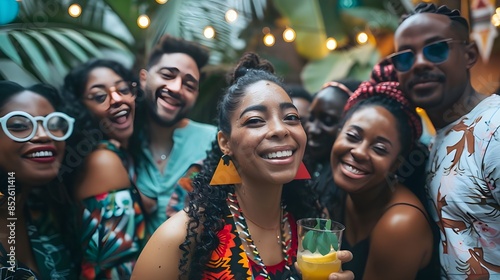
22,127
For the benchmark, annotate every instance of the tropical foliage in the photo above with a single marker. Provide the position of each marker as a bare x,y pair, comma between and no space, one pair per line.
44,41
315,21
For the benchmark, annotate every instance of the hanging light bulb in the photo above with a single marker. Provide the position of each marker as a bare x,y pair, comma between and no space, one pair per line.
161,2
75,10
269,40
143,21
362,38
209,32
231,15
495,20
289,35
331,43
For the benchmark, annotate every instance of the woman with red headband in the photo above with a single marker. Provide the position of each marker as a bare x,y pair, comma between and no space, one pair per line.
387,227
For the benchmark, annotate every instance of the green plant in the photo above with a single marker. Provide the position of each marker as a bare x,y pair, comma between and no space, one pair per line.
44,42
321,239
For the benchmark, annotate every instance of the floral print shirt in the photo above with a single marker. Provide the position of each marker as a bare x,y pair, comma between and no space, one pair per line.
464,187
113,232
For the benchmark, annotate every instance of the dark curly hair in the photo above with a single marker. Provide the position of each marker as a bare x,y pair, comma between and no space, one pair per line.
87,127
206,205
170,44
53,195
457,21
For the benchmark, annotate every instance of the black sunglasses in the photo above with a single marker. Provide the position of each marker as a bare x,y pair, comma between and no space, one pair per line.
435,52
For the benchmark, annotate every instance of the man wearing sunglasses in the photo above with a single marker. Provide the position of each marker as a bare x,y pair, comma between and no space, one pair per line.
433,59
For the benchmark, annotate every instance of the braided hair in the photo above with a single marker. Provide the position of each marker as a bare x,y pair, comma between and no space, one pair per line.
207,204
383,90
456,18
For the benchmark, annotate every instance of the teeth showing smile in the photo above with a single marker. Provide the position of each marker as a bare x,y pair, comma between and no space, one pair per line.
121,113
40,154
352,169
280,154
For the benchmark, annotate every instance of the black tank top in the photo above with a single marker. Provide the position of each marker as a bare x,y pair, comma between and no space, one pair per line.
361,250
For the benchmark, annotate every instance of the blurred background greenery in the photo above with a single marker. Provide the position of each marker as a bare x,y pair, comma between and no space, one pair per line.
309,41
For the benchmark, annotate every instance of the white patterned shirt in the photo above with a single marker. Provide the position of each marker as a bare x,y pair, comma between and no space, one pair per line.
463,184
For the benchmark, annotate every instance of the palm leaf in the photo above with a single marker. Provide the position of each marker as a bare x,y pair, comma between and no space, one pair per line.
188,18
355,63
8,48
375,18
45,46
81,41
68,44
105,40
49,52
35,57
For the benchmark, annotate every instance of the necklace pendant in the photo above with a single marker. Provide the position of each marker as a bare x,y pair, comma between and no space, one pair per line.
163,157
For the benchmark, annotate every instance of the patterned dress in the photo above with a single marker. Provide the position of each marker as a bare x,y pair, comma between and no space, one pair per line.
51,255
113,231
231,261
464,188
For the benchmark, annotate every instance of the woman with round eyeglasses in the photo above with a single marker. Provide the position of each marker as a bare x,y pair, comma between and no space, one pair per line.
101,94
37,239
22,127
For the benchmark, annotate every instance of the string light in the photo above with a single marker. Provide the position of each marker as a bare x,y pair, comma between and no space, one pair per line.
362,38
269,40
75,10
161,2
495,20
231,15
331,43
143,21
289,35
209,32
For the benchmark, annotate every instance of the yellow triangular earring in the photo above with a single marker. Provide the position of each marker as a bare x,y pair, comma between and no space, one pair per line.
225,173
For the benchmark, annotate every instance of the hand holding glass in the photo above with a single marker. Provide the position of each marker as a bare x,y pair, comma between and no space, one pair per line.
319,241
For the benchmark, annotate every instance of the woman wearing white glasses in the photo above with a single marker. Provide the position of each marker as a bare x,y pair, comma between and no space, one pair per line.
37,239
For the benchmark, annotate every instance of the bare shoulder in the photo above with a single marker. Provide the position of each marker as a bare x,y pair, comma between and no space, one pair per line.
401,241
174,228
103,172
160,258
404,214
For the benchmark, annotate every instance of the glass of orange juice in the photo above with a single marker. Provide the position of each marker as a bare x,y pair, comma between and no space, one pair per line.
319,241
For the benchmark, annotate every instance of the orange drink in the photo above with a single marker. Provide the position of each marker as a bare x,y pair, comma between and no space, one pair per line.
315,266
319,241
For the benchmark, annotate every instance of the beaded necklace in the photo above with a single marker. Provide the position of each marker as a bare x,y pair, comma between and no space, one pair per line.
285,237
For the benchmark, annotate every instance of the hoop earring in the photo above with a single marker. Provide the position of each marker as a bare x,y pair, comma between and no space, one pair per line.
225,173
302,173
